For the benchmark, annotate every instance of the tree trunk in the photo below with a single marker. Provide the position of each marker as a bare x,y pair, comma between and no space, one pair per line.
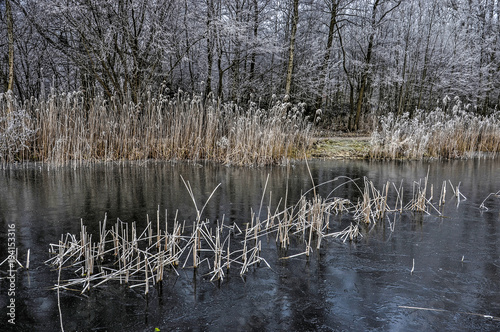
324,67
210,56
426,56
364,78
364,81
10,40
255,33
369,51
295,19
221,73
359,104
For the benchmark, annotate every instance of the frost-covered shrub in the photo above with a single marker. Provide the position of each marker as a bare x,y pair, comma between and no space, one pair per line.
16,132
458,133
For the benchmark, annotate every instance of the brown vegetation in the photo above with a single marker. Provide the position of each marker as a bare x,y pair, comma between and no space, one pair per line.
67,127
125,254
438,134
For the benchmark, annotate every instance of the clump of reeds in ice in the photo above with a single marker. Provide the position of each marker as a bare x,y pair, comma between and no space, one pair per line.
125,254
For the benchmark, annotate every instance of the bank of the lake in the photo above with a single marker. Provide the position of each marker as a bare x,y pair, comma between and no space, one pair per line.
340,147
66,128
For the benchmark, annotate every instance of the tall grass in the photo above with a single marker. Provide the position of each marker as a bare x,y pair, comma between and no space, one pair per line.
66,127
437,134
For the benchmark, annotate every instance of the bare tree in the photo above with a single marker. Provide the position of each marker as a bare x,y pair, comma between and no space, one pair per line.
291,51
374,23
10,37
333,9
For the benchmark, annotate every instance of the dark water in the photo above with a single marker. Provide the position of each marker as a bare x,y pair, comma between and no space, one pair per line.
362,285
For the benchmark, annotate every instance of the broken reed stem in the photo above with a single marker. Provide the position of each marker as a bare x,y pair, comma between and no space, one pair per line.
28,260
482,206
59,296
150,231
444,310
442,197
158,228
146,291
308,249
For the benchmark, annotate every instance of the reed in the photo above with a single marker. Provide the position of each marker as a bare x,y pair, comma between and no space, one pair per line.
66,127
458,133
482,206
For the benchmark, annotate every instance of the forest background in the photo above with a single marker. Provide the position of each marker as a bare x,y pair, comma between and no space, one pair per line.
347,56
354,59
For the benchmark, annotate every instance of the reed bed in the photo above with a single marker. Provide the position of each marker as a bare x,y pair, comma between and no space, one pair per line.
67,127
457,133
143,258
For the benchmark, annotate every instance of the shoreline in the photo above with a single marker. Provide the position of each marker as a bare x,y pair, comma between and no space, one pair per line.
340,147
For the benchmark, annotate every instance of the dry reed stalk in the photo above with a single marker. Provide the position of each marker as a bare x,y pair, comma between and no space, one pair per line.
160,267
102,237
442,196
158,232
308,248
482,206
244,255
115,239
146,291
228,254
59,297
444,310
383,207
456,192
363,210
27,260
195,244
351,232
366,205
149,229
